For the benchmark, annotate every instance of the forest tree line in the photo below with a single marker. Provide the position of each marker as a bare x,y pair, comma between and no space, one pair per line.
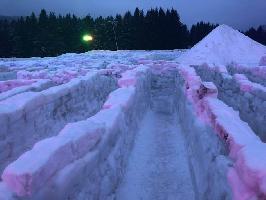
50,35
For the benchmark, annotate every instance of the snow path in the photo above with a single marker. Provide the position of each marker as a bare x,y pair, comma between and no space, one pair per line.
158,168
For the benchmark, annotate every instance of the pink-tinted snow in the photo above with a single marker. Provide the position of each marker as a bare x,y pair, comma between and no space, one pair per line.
215,68
257,71
30,171
248,175
10,84
129,78
144,61
246,85
58,77
160,66
120,97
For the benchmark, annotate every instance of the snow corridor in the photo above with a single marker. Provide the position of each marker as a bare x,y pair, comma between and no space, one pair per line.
156,131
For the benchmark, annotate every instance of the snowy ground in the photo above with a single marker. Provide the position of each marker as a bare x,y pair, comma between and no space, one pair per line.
158,165
136,124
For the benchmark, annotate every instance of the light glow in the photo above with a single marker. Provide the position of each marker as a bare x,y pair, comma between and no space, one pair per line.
87,38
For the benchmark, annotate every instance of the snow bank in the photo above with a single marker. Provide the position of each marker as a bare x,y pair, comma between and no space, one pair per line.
28,117
243,95
223,46
87,157
31,171
129,77
41,74
248,86
247,175
208,155
59,76
10,84
37,86
256,74
120,97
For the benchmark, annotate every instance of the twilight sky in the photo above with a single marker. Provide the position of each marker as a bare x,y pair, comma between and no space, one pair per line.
240,14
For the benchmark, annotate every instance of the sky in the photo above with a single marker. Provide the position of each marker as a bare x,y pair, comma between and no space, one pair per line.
240,14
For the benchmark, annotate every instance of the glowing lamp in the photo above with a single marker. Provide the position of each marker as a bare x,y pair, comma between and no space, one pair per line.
87,38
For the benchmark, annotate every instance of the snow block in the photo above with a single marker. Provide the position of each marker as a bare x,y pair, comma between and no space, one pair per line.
37,86
242,94
207,154
120,97
129,78
59,76
31,116
95,160
247,175
256,74
10,84
31,170
207,89
248,86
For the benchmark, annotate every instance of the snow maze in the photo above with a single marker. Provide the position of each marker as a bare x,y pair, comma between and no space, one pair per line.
154,131
136,124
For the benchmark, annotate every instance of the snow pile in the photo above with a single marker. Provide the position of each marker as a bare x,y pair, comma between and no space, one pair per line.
223,46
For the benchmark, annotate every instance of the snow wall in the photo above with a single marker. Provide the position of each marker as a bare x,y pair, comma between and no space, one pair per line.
243,95
256,74
208,156
36,86
97,148
247,174
91,154
30,116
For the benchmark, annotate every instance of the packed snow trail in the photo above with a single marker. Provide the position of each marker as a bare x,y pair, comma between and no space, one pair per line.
158,168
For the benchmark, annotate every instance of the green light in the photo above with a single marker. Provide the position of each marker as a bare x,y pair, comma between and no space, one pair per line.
87,38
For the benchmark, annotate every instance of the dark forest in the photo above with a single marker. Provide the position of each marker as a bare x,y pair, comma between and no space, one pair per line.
50,35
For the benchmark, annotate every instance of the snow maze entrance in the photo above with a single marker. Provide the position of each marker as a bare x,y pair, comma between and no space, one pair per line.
152,132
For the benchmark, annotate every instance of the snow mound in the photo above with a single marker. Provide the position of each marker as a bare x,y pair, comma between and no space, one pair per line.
223,46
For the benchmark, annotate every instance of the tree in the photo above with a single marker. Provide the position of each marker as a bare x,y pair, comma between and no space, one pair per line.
199,31
258,34
52,35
